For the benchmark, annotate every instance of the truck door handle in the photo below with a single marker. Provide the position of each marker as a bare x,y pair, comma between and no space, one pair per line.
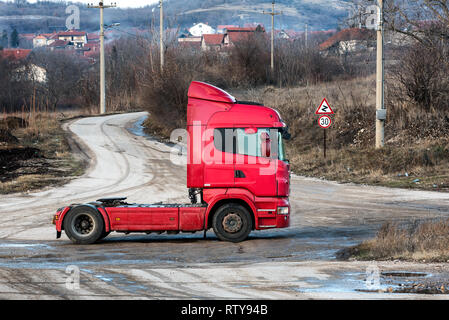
239,174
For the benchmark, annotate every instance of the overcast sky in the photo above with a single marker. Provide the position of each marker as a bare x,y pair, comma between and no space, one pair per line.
120,3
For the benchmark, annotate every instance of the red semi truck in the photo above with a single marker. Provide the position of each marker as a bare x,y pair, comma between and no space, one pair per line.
237,176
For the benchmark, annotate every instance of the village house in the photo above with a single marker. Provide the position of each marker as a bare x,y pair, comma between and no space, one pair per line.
190,42
78,38
201,28
351,40
222,28
15,54
59,45
218,41
30,71
212,42
237,34
44,39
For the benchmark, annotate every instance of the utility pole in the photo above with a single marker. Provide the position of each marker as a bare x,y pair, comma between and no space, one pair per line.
101,6
306,35
381,113
272,13
161,33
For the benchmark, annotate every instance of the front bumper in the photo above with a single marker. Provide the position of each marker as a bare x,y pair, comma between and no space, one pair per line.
273,213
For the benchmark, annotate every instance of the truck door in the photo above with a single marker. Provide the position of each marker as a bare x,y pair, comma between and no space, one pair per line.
254,168
219,158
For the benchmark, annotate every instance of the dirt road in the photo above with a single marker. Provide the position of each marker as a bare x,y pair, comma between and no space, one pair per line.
294,263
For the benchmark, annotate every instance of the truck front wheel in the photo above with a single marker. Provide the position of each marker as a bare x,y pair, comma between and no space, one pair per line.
83,225
232,222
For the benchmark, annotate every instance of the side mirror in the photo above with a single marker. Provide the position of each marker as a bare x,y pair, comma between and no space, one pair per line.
265,144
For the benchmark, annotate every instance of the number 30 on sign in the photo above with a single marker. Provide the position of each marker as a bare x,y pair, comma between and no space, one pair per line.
325,122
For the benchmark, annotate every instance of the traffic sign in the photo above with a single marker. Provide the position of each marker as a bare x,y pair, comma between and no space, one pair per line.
324,108
324,121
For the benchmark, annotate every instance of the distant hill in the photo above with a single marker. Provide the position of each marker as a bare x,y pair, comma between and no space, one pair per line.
45,16
318,14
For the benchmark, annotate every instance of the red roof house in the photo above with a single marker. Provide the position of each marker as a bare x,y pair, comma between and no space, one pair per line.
238,34
15,54
212,41
352,34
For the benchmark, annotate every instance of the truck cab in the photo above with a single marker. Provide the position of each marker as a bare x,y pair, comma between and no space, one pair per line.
238,178
236,154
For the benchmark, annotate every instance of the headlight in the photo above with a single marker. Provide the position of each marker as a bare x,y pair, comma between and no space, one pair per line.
282,210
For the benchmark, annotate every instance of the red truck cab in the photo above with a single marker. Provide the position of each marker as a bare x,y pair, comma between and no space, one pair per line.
237,176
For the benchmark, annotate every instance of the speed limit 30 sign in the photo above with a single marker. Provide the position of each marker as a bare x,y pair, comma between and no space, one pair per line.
324,121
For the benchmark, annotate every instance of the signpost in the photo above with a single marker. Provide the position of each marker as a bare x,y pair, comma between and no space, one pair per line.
324,121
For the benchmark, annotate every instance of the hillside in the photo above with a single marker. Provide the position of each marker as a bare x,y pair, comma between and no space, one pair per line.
49,16
318,14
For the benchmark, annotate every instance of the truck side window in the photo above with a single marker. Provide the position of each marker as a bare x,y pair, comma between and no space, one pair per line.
249,144
224,140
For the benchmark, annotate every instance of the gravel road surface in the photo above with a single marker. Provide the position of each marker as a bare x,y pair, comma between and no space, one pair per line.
294,263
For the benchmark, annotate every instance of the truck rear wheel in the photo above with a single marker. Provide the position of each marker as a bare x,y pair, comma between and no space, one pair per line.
84,225
232,222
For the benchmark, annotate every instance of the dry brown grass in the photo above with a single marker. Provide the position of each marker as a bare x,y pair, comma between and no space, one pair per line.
422,240
50,161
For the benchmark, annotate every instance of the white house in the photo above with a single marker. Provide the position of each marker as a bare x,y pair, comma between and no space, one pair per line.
44,39
32,73
201,28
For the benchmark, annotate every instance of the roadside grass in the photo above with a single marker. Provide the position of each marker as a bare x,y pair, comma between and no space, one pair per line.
425,241
50,162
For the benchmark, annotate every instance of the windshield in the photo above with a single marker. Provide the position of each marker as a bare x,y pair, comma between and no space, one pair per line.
281,148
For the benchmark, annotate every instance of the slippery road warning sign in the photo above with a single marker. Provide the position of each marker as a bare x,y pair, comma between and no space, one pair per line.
324,108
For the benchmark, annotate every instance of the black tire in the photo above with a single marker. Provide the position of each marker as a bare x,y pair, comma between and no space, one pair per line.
232,222
83,225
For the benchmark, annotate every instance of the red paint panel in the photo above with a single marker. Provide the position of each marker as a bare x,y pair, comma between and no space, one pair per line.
152,218
60,219
282,221
283,179
191,218
259,177
106,219
267,222
201,90
118,217
165,218
210,195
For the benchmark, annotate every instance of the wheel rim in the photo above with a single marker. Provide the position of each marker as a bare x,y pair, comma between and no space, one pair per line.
232,223
83,225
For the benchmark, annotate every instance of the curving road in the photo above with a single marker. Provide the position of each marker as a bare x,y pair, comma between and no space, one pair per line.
294,263
122,163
